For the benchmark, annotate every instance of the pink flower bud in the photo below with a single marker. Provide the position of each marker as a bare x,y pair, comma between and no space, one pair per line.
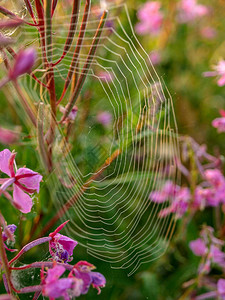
23,64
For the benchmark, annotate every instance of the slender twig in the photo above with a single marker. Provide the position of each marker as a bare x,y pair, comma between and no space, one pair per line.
5,263
86,67
41,141
29,8
11,15
38,81
40,264
54,4
74,61
41,29
27,108
50,75
71,33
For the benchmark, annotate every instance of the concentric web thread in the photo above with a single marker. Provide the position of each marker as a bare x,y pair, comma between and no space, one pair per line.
110,177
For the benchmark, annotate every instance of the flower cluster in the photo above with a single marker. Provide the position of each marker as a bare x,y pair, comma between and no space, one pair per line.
81,276
150,17
209,248
211,192
75,284
189,10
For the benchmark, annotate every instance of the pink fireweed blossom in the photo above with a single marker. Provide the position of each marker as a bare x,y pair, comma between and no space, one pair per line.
155,57
72,115
25,60
178,197
106,76
208,32
198,247
104,118
209,248
24,181
219,123
83,270
55,287
8,136
168,190
151,18
221,288
213,192
61,248
219,71
77,283
189,10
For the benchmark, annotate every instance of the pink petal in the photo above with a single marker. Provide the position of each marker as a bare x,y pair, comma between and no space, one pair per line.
221,81
32,181
4,161
54,273
22,200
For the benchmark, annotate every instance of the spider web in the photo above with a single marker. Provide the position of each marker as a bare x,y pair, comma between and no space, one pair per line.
110,176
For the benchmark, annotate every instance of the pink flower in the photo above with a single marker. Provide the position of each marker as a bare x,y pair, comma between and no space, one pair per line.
53,287
221,288
72,115
8,136
189,10
24,181
208,32
219,123
77,283
106,76
63,247
167,191
198,247
217,255
83,270
155,57
25,60
219,71
104,118
204,197
150,18
215,177
179,199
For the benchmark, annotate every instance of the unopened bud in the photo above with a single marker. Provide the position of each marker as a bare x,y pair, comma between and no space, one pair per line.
23,64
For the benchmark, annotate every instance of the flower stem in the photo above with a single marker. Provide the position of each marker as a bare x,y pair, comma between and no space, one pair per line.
5,263
74,62
25,104
86,67
30,246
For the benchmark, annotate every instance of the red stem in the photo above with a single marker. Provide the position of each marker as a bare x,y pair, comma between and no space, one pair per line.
29,8
71,33
77,49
